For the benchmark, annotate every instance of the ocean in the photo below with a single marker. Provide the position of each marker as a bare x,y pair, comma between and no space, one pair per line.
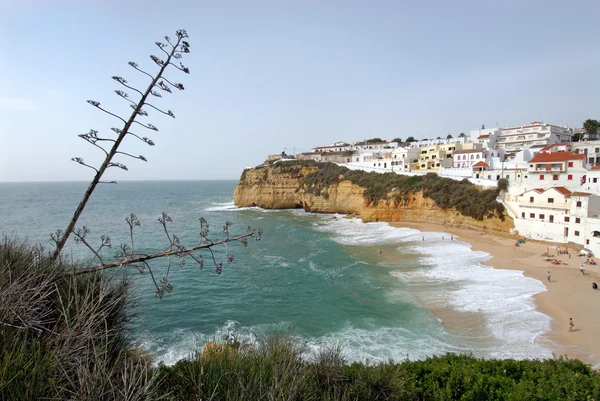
377,291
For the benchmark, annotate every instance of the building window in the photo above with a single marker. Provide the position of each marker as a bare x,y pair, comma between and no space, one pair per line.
542,217
570,164
578,203
570,177
567,219
555,177
531,199
577,220
541,176
523,215
594,180
551,219
532,215
577,233
587,241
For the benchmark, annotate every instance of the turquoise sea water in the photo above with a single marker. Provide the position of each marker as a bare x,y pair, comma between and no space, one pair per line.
319,277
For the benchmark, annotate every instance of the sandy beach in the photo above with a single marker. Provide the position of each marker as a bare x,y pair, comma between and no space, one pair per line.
569,294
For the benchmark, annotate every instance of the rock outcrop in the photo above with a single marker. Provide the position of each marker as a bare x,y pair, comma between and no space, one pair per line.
278,188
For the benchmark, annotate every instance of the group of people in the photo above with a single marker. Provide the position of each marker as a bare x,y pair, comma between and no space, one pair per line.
590,262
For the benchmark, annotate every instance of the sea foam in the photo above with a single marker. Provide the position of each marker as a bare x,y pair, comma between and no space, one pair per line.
458,278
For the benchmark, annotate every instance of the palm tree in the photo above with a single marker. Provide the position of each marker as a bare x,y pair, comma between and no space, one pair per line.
448,136
591,128
462,135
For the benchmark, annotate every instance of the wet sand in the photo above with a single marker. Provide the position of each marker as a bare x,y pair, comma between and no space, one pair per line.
569,293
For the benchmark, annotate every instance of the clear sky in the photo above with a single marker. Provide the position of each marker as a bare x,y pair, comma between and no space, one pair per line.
273,75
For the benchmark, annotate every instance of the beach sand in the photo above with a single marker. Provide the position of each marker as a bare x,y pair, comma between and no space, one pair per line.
569,293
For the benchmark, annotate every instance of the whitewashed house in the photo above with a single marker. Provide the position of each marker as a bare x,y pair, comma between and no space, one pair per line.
591,149
486,137
403,159
544,214
468,157
557,167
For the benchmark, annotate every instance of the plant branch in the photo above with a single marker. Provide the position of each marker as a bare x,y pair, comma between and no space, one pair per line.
169,252
181,34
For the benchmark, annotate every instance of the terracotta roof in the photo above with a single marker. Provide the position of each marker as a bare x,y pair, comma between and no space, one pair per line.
483,136
538,190
480,164
580,194
562,190
468,151
548,147
556,157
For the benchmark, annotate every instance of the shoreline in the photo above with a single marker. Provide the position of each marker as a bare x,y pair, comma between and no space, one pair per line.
569,294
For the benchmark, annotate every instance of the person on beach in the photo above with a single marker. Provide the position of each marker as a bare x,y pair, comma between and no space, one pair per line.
380,251
571,324
594,286
548,276
582,270
452,237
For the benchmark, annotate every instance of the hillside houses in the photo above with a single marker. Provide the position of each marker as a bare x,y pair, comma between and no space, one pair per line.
554,183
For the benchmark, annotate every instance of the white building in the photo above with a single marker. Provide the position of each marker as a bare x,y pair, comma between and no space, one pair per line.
487,137
557,167
591,149
373,146
403,158
336,147
536,133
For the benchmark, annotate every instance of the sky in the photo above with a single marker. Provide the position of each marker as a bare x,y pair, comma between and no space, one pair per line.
273,76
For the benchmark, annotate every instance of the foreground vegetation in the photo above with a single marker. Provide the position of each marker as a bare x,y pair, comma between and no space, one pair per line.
447,193
66,337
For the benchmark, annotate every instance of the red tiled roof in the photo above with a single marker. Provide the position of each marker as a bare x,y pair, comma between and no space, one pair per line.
562,190
483,136
555,157
580,194
538,190
480,164
548,147
595,168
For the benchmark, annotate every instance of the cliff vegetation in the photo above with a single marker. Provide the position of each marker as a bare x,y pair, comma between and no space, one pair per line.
330,188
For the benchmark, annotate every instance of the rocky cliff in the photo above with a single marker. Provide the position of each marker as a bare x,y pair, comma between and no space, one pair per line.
280,188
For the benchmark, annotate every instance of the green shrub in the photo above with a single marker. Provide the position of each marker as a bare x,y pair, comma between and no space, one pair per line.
445,192
64,336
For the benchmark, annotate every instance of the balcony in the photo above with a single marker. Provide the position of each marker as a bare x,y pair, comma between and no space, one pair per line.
545,205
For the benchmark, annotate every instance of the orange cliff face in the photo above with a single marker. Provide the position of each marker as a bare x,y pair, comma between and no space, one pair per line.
275,188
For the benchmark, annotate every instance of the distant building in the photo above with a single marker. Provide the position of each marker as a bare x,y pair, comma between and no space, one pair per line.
334,157
536,133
